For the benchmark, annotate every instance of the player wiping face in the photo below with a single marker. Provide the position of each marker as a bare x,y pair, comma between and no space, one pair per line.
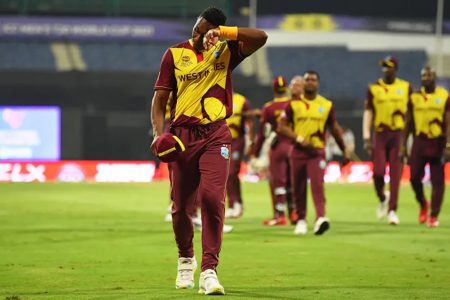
204,34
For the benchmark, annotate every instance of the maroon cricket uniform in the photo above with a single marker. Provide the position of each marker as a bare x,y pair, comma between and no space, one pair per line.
428,117
309,119
279,169
389,105
201,101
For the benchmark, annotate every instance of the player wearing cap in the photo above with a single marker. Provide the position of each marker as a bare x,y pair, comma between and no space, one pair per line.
429,122
279,171
198,73
240,122
385,111
304,122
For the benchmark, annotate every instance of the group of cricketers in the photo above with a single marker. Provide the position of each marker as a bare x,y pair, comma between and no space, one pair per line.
294,124
204,152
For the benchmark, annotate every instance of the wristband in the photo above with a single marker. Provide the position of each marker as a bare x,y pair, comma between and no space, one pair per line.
447,145
229,32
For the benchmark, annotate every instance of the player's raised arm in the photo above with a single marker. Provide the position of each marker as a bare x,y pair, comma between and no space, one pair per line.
367,126
251,39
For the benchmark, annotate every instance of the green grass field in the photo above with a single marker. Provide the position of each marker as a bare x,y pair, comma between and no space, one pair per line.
109,241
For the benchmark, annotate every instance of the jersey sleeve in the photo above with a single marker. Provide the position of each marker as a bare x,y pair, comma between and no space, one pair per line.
166,77
236,56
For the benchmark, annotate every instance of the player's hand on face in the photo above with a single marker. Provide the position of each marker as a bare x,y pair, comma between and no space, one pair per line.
368,147
211,38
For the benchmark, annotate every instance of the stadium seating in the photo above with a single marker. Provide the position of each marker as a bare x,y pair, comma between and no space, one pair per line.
122,56
345,74
25,55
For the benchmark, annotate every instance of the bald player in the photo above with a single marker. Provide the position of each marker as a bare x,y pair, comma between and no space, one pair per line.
198,72
429,121
304,123
385,111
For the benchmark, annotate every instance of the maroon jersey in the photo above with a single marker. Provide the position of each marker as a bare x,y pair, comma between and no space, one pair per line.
270,116
200,82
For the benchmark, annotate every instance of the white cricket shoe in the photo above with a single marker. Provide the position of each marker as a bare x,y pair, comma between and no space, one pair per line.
185,275
393,218
301,228
322,225
382,210
197,222
383,207
238,210
229,213
209,283
168,217
227,228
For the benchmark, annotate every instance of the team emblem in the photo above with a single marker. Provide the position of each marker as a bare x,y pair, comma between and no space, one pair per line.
216,54
399,92
225,152
438,100
321,109
185,61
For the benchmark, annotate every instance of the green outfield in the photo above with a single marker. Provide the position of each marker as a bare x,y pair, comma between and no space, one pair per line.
109,241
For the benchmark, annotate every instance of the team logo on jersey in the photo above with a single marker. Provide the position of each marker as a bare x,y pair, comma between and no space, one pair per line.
186,61
216,54
438,100
399,92
321,109
322,164
225,152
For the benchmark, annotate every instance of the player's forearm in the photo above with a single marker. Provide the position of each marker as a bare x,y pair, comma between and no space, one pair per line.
252,39
258,144
157,113
367,124
336,132
407,130
251,128
447,127
285,130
